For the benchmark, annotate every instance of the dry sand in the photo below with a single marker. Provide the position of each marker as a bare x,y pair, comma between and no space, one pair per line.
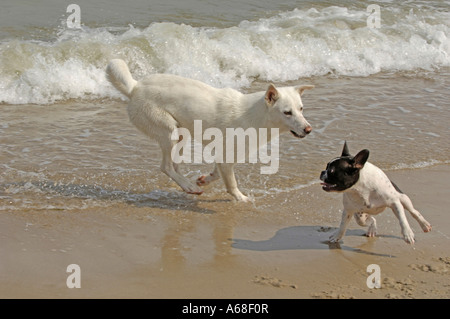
196,252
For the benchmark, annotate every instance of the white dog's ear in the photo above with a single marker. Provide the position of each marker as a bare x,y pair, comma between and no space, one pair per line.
271,95
302,88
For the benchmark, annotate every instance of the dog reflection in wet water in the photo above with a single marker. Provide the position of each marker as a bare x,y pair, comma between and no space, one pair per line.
367,191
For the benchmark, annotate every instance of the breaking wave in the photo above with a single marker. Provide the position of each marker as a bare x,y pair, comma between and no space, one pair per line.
286,47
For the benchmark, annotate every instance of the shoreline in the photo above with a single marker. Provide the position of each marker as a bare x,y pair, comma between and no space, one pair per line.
249,251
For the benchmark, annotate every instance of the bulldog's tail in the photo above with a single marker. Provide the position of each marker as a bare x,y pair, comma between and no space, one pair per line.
119,75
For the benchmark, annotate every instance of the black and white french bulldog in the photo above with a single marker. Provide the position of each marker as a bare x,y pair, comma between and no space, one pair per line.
367,191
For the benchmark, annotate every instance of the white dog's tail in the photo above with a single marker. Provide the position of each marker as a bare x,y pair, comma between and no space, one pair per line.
119,75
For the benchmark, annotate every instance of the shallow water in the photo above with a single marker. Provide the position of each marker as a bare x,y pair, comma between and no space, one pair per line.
80,155
66,141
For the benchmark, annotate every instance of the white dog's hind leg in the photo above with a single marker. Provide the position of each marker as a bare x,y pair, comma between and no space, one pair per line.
364,219
167,166
205,180
176,167
407,204
227,173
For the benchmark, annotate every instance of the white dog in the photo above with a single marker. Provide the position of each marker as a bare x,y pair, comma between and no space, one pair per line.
161,103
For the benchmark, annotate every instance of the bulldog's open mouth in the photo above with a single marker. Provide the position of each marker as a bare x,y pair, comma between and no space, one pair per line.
297,135
328,187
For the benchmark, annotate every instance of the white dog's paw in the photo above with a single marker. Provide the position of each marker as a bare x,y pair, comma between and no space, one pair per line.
193,189
239,197
202,180
243,199
409,237
205,180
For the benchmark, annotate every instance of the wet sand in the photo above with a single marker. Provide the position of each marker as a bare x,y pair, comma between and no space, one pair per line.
268,249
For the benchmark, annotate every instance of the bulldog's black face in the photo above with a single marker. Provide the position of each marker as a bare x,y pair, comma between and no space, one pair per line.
340,175
343,172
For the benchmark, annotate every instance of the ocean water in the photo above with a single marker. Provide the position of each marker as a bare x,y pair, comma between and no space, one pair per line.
66,142
44,59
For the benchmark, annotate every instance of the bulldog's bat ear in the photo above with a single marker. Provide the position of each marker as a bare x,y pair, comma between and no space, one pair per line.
345,151
361,158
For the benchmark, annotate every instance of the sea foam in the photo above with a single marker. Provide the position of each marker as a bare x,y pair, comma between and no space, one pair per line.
286,47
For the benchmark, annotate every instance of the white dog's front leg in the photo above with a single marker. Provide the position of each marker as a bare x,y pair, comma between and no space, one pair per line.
337,236
227,173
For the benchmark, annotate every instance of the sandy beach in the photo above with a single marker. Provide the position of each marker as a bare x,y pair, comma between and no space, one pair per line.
197,252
